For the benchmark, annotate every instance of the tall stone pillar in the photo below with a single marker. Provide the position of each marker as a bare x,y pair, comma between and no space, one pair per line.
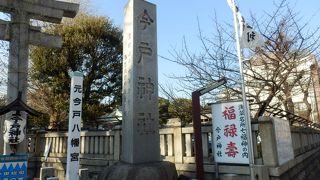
18,68
140,153
140,84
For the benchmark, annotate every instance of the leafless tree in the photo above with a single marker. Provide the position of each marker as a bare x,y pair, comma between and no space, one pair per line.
272,72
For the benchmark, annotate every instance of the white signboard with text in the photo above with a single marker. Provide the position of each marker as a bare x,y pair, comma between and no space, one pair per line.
14,129
75,112
230,139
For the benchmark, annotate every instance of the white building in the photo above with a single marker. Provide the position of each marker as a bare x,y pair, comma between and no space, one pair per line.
298,80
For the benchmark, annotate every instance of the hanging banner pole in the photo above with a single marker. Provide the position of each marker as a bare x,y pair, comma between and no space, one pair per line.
75,112
246,107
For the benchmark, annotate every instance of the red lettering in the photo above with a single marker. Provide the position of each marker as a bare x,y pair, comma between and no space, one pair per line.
231,150
229,113
230,130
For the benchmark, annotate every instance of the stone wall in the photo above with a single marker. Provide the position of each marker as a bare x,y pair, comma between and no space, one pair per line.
102,148
307,169
98,149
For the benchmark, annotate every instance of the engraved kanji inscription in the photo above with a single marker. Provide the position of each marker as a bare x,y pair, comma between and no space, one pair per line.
145,19
144,50
145,124
145,87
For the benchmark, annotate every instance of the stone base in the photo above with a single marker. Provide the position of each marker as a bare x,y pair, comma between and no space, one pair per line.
150,171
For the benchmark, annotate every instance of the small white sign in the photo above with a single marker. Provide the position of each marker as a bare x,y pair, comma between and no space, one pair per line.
75,112
230,139
14,129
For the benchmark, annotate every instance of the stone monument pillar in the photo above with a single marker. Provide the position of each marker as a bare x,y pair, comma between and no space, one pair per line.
18,66
140,84
140,153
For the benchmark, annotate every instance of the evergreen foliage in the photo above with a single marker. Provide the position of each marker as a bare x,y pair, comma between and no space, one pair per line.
92,45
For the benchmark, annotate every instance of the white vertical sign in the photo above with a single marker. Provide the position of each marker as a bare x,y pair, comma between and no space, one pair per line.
14,129
230,139
75,112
